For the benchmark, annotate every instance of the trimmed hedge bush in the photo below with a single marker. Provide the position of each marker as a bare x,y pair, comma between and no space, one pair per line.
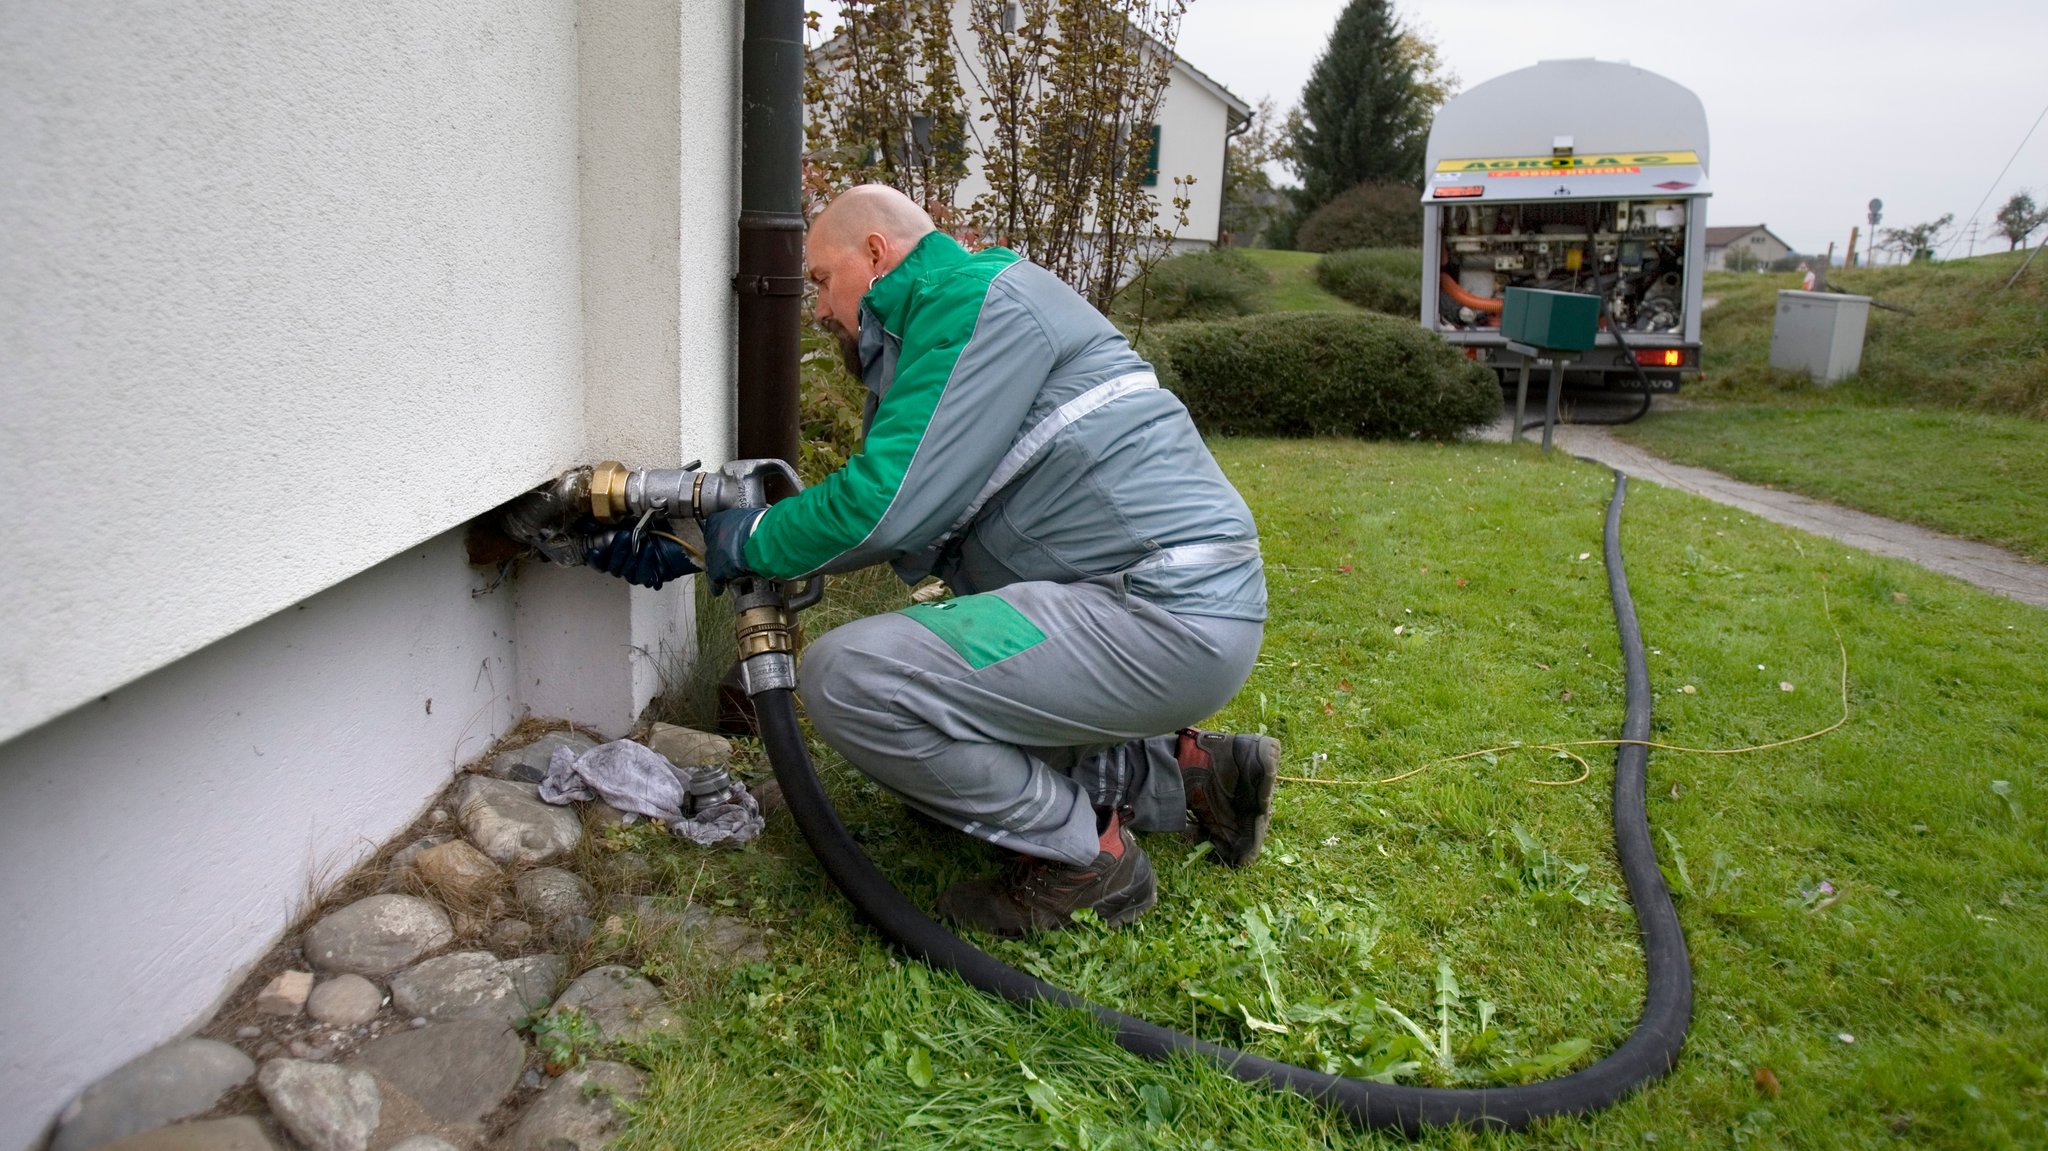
1201,286
1368,216
1379,279
1320,373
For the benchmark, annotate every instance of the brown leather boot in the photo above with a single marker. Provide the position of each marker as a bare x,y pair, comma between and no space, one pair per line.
1042,894
1229,783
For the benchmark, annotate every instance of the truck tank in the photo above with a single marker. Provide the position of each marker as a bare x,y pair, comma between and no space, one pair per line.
1579,176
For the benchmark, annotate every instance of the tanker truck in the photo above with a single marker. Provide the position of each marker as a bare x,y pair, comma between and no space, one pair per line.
1579,176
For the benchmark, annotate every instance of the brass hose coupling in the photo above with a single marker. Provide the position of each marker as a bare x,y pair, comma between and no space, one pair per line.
765,628
608,491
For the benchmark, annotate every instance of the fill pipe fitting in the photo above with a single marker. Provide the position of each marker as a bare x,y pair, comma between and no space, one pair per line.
618,493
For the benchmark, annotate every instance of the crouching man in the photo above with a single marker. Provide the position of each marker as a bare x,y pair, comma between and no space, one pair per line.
1108,575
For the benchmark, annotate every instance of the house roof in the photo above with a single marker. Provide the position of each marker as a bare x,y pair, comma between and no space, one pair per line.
1239,110
1722,237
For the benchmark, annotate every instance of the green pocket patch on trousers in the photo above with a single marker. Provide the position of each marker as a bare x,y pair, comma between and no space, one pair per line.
982,628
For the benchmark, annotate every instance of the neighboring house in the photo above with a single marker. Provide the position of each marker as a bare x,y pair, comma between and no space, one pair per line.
1755,239
1196,124
1197,117
289,294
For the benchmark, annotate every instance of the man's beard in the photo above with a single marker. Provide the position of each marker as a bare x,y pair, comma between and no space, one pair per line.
849,348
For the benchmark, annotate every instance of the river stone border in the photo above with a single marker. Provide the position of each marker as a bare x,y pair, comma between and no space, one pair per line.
411,1035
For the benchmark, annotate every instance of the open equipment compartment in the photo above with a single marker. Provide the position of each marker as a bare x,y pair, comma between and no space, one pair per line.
1576,176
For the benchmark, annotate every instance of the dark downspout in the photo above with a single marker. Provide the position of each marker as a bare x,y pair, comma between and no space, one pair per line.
771,250
770,280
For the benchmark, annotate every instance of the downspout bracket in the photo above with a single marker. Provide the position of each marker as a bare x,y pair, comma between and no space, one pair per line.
747,285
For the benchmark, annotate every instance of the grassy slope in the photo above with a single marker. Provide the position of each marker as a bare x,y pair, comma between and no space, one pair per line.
1967,342
1427,601
1294,282
1897,440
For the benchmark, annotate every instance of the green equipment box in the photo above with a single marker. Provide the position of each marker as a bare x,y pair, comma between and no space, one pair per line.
1552,321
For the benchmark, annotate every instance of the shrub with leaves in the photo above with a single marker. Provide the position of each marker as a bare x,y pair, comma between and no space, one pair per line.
1319,373
830,408
1368,216
1201,286
1378,279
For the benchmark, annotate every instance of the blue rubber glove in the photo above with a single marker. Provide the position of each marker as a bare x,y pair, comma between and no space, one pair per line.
725,545
649,563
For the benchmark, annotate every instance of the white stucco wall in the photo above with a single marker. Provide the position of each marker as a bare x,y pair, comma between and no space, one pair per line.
155,841
286,290
658,108
287,295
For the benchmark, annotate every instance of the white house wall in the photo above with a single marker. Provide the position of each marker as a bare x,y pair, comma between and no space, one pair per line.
288,294
155,841
289,288
1191,143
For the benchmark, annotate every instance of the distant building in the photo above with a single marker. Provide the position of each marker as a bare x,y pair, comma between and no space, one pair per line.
1197,118
1756,239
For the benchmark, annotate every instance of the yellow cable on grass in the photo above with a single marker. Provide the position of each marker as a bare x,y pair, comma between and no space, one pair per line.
1564,748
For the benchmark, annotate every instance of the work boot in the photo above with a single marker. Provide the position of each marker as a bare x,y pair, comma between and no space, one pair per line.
1043,894
1229,784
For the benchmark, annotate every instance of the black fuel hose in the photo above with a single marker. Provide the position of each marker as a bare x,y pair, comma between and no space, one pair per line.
1650,1050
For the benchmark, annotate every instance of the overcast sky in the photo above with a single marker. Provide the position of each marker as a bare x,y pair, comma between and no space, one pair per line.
1815,106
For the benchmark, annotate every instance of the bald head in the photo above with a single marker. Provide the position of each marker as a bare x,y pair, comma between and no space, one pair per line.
856,240
870,210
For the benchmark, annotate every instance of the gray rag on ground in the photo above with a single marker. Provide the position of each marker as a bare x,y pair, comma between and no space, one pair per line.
635,778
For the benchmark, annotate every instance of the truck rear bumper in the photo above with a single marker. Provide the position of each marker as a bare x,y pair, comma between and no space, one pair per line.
1604,366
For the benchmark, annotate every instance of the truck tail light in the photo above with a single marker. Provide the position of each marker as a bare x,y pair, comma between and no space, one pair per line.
1661,357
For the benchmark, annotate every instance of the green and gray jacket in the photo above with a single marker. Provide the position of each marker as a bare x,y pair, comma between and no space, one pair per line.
1012,434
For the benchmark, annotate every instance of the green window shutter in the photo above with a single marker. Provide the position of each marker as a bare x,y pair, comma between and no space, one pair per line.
1151,179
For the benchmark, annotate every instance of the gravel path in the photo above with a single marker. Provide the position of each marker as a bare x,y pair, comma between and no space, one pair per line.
1991,568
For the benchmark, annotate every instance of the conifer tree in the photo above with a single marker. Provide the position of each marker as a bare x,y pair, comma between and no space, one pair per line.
1365,116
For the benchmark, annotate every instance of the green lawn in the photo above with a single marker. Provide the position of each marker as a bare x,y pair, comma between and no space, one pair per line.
1972,474
1865,909
1294,282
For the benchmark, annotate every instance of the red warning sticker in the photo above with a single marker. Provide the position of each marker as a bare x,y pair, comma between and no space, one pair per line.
1460,192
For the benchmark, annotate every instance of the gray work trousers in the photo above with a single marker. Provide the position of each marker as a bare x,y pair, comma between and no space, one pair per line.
1017,740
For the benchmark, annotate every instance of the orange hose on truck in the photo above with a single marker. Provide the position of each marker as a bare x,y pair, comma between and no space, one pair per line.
1476,303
